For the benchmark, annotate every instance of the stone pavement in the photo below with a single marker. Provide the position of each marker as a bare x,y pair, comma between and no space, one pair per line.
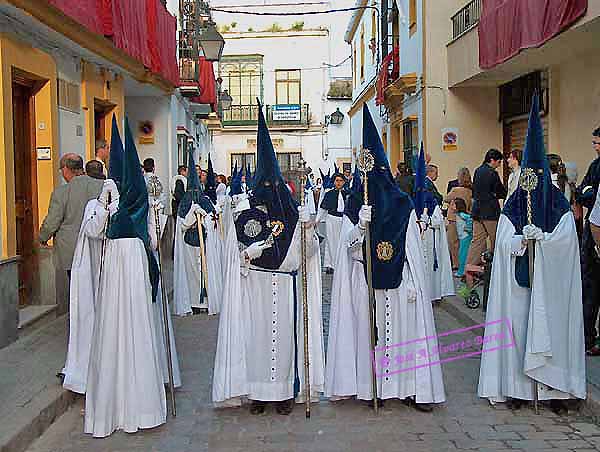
464,422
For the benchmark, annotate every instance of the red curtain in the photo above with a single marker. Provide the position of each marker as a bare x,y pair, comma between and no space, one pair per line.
509,26
167,45
207,84
385,77
152,35
130,29
86,12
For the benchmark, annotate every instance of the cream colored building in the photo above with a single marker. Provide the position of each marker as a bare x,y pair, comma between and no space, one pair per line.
438,88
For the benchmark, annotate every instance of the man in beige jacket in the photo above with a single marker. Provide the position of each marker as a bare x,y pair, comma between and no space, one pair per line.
64,217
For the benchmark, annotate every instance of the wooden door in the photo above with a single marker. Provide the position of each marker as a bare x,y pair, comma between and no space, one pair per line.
25,186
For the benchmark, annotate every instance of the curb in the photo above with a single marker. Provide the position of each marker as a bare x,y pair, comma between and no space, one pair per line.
591,404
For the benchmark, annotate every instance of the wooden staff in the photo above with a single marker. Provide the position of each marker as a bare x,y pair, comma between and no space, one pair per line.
307,393
528,182
365,164
203,267
155,190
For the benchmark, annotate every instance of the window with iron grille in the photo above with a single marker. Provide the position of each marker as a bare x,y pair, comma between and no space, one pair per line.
68,96
243,79
288,161
410,137
243,160
287,86
516,96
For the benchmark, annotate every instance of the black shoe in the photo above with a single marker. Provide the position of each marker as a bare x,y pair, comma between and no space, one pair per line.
515,404
196,311
559,407
61,377
284,408
422,407
257,407
329,271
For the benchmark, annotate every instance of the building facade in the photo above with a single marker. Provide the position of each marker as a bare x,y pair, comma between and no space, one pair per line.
432,85
299,95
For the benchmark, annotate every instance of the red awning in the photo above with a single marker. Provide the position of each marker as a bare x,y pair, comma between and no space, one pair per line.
167,45
130,29
508,26
86,12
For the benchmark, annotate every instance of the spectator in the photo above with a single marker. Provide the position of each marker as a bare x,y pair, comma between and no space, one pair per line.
590,263
432,175
452,184
65,215
221,179
487,191
464,190
572,173
405,179
514,164
101,154
203,177
178,188
464,227
94,169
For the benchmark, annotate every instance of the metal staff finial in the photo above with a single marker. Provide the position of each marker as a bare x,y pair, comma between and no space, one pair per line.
154,187
366,163
528,182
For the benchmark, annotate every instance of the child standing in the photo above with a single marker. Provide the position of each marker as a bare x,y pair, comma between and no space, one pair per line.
464,228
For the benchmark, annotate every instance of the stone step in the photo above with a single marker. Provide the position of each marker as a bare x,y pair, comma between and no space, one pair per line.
32,318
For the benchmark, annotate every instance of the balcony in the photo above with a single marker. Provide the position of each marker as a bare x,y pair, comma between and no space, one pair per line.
466,19
278,116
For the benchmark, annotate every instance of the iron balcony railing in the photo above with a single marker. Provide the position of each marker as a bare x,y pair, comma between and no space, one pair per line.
276,115
466,18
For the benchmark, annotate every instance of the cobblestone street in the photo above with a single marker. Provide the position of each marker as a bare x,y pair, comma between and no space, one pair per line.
464,422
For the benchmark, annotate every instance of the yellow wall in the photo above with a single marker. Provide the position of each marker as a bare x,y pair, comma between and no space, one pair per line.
94,86
14,54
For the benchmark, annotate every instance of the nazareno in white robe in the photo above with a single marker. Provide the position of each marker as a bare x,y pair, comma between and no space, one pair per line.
186,273
546,322
440,281
85,272
255,346
125,389
399,320
323,231
214,276
333,227
159,322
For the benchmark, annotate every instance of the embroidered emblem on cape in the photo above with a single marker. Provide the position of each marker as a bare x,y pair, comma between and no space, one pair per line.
262,209
277,228
252,228
385,251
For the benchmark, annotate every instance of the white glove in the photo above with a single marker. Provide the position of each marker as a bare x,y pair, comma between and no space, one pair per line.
255,250
425,218
157,204
364,216
191,218
109,190
532,232
303,214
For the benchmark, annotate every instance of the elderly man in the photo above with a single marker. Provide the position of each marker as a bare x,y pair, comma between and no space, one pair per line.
64,217
101,154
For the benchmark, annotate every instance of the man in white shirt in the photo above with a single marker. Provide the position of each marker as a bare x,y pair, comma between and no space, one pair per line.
101,154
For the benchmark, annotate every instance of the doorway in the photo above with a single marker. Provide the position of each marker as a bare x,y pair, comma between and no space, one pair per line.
25,167
101,113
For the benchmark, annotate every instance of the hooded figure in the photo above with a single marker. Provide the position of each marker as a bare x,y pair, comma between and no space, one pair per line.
85,272
309,197
404,313
544,313
259,348
125,386
210,189
438,266
327,186
190,285
331,210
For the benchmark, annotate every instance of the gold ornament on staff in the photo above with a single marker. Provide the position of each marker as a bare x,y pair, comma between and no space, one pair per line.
366,163
528,182
155,190
307,392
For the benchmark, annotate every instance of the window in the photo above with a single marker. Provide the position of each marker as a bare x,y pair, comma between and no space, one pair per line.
288,161
243,160
287,86
373,36
242,77
68,96
362,52
412,15
410,138
354,64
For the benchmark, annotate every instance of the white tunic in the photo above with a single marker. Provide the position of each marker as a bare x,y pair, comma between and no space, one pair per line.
125,387
85,272
399,320
546,322
440,281
186,273
255,347
323,231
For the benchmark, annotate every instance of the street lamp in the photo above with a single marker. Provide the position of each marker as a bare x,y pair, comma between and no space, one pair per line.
336,118
212,42
226,100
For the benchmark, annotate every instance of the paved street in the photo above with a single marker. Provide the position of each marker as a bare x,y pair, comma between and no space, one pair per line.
464,422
